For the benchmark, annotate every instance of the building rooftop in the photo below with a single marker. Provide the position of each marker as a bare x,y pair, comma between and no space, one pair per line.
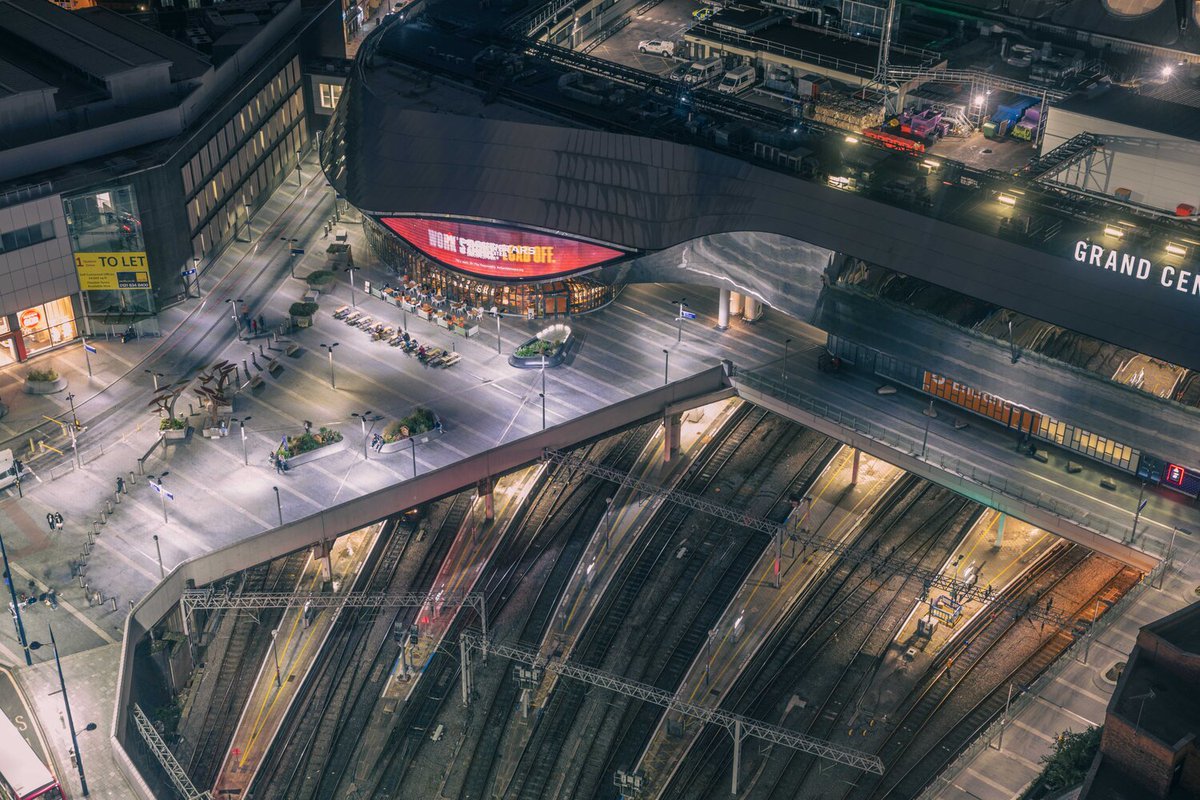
187,63
14,80
1124,106
91,48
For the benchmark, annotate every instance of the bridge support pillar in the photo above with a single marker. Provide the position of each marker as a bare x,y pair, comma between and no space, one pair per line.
1000,529
735,303
723,310
854,467
489,501
322,552
671,426
751,309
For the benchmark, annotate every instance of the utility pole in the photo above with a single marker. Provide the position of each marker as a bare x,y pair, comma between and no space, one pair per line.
12,591
70,722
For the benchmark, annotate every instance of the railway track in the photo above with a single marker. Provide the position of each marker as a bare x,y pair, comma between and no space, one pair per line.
576,498
351,669
923,768
240,652
662,652
803,646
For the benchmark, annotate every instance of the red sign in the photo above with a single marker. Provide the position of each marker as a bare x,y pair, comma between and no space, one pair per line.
494,252
1175,475
31,318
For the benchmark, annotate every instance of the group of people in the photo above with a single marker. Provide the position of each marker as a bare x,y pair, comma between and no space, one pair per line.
255,325
279,462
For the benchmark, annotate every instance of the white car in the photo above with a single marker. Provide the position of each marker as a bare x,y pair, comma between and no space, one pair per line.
658,47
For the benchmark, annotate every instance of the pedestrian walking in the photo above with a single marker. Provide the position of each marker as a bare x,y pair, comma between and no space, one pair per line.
50,520
262,323
253,326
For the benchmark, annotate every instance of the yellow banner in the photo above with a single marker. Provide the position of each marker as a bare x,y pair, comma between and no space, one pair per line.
111,271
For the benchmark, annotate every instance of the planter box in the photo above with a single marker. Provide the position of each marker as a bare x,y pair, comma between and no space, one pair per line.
302,322
45,387
214,433
553,358
320,452
176,435
468,331
424,314
403,444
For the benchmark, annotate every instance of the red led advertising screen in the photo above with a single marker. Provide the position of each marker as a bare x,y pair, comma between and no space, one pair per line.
504,253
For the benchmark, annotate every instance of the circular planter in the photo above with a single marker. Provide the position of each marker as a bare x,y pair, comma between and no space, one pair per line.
554,358
45,387
319,453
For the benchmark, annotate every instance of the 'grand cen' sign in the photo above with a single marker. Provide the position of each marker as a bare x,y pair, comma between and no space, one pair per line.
1181,280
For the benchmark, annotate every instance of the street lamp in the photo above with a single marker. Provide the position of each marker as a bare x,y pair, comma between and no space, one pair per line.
329,349
362,418
16,607
233,314
157,483
74,417
155,376
291,243
786,344
298,152
242,423
543,395
62,685
278,505
353,299
666,365
249,229
162,573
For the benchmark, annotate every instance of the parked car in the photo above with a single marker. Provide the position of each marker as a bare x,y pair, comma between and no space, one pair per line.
658,47
738,79
679,71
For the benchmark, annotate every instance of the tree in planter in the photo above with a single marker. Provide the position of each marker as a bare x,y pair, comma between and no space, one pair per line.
164,402
308,441
1068,765
46,375
303,309
416,423
319,278
213,385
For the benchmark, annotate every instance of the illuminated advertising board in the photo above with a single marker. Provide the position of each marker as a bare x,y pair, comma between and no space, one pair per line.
498,253
112,271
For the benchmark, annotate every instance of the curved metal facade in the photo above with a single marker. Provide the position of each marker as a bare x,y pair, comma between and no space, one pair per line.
651,195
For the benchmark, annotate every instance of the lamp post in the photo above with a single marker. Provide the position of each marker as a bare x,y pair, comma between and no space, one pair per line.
353,299
496,313
362,418
543,394
666,366
290,241
298,151
329,349
62,685
249,229
157,483
242,426
275,653
16,607
195,274
1137,515
155,376
786,344
278,505
233,314
162,573
74,417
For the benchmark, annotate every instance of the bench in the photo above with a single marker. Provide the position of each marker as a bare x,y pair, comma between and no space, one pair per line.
291,348
256,382
274,366
1041,455
1074,467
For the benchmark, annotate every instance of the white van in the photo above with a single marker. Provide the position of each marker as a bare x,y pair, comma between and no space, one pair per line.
8,469
738,79
703,72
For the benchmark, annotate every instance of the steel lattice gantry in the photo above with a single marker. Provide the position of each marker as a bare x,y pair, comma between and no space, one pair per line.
739,726
883,564
165,758
208,599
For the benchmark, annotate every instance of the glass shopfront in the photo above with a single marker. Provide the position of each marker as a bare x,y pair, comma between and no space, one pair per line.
47,325
572,295
8,343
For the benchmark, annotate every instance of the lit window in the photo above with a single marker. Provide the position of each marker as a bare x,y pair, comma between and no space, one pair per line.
330,94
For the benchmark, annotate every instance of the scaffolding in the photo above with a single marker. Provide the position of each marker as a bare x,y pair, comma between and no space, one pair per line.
166,759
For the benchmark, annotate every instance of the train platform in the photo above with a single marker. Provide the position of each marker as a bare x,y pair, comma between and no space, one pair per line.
1072,695
297,643
837,511
474,544
993,554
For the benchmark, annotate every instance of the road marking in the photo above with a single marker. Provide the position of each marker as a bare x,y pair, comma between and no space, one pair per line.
979,776
1066,711
1030,729
96,629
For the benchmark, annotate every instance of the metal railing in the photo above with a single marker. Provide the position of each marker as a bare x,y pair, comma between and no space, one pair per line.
970,475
